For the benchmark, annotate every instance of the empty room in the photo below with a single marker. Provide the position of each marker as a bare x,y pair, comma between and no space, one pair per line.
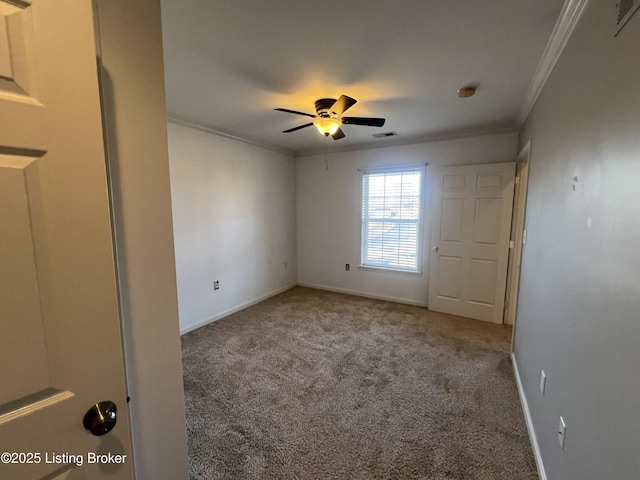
476,146
320,240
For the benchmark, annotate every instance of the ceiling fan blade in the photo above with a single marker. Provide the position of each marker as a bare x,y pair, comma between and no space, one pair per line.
366,121
298,128
342,105
339,134
293,111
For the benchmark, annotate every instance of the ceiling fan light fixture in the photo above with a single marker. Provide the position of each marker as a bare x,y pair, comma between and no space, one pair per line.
327,125
328,118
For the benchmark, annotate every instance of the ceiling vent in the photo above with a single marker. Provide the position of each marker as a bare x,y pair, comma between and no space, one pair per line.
626,9
385,134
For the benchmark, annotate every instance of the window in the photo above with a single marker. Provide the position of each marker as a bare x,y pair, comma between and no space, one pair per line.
391,217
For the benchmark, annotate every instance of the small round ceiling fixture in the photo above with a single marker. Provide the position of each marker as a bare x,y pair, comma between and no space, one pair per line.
466,92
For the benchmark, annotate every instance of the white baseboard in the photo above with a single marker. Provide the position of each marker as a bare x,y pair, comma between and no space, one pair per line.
235,309
527,417
364,294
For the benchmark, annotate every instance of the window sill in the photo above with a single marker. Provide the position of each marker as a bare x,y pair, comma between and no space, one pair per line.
395,271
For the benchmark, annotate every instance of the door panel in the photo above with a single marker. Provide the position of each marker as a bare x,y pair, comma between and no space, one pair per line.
488,181
483,276
486,221
60,340
451,220
23,338
453,182
451,273
470,239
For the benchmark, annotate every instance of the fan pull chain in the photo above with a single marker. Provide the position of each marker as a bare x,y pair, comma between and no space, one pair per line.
326,149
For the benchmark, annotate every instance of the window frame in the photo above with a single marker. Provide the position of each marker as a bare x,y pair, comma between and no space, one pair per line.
421,168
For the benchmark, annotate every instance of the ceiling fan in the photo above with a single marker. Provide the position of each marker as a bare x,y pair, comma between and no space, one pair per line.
328,118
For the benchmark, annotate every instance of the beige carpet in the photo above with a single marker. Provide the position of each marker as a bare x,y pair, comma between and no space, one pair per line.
317,385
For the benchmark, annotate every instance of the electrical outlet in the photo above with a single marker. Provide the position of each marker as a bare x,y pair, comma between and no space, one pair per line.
562,432
347,267
543,381
216,285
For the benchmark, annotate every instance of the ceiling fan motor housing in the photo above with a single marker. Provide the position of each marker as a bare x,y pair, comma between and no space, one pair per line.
323,105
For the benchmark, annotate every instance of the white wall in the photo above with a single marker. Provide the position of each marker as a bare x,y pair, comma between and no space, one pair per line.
328,212
579,306
135,120
234,221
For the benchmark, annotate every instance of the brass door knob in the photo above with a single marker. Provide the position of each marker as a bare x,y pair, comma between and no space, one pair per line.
435,249
101,418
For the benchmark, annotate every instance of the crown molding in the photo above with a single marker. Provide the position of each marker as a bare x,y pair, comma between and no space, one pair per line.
171,118
390,142
399,142
571,12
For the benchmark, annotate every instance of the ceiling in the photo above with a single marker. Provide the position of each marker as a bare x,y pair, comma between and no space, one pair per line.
228,64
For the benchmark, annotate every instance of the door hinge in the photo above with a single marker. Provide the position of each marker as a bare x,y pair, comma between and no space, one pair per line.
517,180
506,305
511,244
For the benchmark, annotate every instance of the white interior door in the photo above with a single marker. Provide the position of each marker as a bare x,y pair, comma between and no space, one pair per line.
470,240
60,339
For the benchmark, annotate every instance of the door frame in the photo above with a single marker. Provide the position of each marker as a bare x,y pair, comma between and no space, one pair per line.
518,237
135,137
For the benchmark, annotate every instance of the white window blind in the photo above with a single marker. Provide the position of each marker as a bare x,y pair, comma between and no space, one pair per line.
391,218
